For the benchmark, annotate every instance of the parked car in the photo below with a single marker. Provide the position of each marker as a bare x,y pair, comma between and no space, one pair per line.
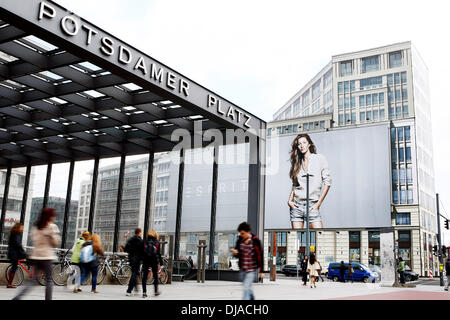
410,275
290,270
360,272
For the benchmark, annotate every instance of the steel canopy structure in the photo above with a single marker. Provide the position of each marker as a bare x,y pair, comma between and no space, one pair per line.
70,91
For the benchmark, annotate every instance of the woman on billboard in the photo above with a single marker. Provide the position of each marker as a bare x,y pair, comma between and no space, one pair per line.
304,159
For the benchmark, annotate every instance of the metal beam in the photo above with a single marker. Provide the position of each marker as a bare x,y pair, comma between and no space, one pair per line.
119,203
47,185
93,194
212,229
5,201
179,205
26,188
148,194
67,205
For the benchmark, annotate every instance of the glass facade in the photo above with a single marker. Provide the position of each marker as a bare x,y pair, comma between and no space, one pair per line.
370,64
402,179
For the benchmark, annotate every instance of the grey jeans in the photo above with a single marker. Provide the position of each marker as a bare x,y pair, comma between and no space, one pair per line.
44,266
298,214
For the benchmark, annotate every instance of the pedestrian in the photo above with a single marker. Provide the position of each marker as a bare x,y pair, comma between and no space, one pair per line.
313,269
401,270
45,237
191,262
304,269
249,252
15,251
91,250
350,271
320,271
75,261
342,269
447,271
135,250
151,259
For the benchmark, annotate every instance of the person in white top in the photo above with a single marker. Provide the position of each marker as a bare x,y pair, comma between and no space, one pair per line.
45,237
304,159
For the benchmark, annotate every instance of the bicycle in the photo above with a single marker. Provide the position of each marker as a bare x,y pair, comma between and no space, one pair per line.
121,271
19,275
64,269
162,275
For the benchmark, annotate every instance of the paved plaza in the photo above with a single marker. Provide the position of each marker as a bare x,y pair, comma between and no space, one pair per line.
282,289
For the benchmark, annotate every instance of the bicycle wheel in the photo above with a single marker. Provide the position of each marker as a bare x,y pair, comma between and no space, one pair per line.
123,275
163,276
60,274
41,279
18,276
101,274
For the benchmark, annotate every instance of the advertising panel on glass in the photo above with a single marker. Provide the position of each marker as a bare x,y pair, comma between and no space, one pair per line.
349,186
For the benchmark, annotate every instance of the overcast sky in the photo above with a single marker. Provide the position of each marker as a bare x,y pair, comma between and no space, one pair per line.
258,54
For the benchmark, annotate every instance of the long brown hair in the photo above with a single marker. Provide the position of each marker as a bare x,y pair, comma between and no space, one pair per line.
96,244
44,218
15,229
297,157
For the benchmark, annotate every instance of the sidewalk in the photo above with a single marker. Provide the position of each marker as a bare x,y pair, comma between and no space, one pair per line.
282,289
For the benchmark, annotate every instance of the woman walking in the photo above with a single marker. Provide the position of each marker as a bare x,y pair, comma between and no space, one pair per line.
152,257
313,269
304,268
45,237
304,159
15,251
93,248
350,272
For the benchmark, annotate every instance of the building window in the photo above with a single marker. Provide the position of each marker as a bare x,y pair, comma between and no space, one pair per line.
372,82
381,97
362,101
353,117
362,116
403,74
341,119
382,115
405,111
354,246
404,94
370,64
346,68
395,59
327,78
316,90
296,107
352,102
306,99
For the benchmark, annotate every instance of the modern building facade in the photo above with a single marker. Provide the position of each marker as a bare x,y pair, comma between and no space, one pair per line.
389,85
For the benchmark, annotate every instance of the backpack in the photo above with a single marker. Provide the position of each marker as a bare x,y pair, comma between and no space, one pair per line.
87,254
150,250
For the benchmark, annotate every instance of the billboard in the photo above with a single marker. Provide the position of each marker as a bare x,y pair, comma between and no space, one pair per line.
358,161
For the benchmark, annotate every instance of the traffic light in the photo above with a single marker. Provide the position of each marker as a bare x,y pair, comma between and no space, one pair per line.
435,248
444,251
446,224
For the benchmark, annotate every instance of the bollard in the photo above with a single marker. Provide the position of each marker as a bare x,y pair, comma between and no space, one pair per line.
201,261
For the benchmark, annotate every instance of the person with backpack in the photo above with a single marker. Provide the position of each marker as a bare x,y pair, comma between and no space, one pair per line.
151,259
45,238
248,250
135,249
89,260
75,261
15,252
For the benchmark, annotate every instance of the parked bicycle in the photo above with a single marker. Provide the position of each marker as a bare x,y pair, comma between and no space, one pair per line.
120,271
64,269
162,275
29,269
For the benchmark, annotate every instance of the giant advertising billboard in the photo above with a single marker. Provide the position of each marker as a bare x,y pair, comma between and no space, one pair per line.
354,163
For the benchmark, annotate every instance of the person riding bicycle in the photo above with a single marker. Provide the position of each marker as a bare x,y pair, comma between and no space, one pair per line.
75,260
15,251
151,259
135,249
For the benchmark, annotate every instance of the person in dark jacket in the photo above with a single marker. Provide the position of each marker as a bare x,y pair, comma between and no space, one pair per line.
15,251
135,250
342,270
248,250
151,259
304,267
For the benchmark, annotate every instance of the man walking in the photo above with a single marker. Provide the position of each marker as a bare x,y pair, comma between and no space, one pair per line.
248,250
401,270
342,269
135,250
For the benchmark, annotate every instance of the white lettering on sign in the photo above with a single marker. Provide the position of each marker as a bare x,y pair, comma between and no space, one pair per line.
71,25
231,112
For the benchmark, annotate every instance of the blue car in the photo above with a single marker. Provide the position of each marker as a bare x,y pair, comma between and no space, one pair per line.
360,272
